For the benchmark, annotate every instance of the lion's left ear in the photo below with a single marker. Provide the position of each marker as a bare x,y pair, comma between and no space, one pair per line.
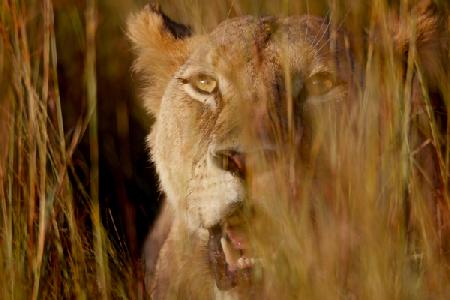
430,35
161,47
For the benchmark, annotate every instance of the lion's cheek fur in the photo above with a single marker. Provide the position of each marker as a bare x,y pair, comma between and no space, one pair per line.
173,149
200,193
172,166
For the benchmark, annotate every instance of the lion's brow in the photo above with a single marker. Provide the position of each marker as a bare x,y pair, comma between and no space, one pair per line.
266,27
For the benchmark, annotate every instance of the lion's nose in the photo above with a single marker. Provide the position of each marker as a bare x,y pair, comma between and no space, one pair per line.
231,161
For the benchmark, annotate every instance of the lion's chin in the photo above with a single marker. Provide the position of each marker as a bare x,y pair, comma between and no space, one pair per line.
227,259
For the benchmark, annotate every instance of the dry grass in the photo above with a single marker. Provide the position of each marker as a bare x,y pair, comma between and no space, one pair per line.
49,248
382,237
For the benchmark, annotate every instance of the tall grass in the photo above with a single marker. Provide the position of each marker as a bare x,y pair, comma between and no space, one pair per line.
382,237
50,249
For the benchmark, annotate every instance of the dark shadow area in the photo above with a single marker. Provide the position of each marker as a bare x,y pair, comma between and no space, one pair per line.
127,181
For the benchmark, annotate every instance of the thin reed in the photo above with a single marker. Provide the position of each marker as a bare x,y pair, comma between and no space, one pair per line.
382,237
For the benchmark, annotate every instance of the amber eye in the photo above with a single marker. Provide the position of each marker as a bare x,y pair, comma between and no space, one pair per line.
204,83
319,84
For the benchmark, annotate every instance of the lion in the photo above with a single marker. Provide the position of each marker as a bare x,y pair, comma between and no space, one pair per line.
255,89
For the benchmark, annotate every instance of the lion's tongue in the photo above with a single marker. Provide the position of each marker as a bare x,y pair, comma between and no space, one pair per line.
237,237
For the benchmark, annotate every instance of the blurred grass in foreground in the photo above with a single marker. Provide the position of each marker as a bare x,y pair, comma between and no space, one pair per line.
52,238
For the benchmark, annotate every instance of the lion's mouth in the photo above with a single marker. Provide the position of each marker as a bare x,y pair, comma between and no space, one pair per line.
228,257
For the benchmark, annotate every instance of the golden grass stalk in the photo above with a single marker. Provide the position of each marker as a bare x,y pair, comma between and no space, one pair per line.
381,238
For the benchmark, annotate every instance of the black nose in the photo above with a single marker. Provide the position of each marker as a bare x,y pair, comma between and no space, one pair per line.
231,161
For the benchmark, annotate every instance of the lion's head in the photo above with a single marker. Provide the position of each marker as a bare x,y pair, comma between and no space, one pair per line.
252,90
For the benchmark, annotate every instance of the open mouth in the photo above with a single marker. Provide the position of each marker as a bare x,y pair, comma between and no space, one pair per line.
228,256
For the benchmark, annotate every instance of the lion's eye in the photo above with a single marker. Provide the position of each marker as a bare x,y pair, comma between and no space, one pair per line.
319,84
204,83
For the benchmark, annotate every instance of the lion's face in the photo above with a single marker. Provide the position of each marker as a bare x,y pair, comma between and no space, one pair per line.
244,92
263,99
220,106
256,100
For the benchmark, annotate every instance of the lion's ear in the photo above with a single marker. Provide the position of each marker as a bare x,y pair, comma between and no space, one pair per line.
160,45
430,36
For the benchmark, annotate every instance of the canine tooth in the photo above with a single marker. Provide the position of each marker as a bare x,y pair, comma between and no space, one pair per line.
241,263
231,255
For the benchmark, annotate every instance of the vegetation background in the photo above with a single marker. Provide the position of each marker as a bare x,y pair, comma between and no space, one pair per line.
77,192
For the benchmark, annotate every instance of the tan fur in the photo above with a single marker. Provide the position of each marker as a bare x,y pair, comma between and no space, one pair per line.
152,44
244,54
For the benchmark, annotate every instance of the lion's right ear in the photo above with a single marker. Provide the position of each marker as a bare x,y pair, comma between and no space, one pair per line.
161,47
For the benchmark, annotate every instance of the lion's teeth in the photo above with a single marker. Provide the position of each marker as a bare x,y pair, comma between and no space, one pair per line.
241,263
249,262
244,262
231,254
233,257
